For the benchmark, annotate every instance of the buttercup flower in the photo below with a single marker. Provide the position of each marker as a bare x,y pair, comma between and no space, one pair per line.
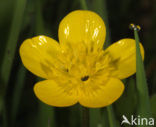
77,69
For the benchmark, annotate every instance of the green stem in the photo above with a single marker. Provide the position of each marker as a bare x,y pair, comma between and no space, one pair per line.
100,7
144,103
85,117
95,117
83,4
111,116
45,116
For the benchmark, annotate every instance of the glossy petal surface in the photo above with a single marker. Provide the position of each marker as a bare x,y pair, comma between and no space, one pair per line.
105,95
123,53
39,54
78,69
82,29
51,93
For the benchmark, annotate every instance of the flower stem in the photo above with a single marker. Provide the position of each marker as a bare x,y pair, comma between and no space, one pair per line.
85,117
83,4
100,6
111,116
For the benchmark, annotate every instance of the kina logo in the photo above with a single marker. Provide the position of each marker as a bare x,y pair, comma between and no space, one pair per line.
137,120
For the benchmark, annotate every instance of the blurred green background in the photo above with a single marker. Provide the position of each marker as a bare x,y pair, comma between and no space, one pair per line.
21,19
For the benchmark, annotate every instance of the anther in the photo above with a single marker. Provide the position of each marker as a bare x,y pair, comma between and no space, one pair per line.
134,27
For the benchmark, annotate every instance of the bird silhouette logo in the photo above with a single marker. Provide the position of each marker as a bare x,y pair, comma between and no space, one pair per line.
125,120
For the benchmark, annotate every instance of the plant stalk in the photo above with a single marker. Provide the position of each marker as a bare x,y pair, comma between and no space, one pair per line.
83,4
85,117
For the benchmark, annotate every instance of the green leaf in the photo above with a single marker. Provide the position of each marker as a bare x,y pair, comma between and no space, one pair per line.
153,105
111,117
142,89
12,41
9,52
21,75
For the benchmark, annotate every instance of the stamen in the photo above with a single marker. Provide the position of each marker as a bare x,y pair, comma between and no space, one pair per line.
85,78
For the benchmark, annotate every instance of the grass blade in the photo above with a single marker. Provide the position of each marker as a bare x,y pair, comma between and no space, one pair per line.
111,117
100,7
46,113
144,102
39,24
45,116
21,75
12,41
95,117
9,53
75,116
83,4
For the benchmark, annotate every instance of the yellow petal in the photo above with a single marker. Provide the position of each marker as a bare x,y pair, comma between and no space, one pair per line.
39,54
109,92
82,28
123,53
53,94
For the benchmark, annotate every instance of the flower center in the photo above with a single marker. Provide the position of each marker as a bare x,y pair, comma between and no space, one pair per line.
85,78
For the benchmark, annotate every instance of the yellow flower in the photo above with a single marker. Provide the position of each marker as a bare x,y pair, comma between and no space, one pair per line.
77,69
